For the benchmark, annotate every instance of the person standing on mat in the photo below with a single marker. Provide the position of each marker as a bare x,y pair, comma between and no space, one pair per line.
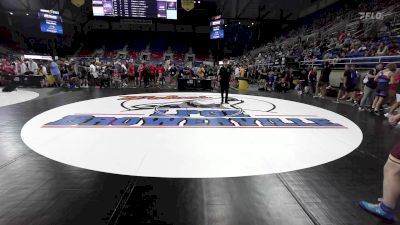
224,78
391,187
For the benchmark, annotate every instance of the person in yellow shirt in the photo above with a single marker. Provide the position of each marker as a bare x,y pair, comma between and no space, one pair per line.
242,71
201,72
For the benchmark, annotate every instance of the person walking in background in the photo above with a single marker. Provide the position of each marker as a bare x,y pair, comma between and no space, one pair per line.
201,72
145,75
391,99
369,91
172,73
355,83
152,75
312,80
242,71
346,88
224,78
93,72
383,79
323,81
141,70
396,105
237,75
161,74
124,75
131,74
55,71
43,72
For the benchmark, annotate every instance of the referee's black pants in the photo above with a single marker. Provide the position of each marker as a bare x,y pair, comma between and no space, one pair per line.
224,90
146,80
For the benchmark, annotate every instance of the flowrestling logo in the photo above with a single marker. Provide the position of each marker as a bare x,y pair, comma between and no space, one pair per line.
371,15
180,111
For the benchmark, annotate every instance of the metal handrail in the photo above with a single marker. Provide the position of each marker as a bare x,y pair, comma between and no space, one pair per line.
370,57
381,59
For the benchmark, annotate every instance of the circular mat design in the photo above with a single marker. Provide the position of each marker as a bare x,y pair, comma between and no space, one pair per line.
191,135
11,98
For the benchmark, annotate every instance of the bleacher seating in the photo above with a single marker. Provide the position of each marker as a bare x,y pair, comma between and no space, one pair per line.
318,37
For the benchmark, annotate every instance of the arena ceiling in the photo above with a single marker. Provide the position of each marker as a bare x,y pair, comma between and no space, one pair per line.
233,9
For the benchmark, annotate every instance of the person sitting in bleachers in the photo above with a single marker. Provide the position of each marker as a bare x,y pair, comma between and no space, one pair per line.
382,50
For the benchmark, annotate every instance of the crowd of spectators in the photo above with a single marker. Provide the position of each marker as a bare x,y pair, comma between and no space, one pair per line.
368,91
377,90
321,40
373,91
77,73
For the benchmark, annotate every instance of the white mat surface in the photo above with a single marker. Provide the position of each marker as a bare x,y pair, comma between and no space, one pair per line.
181,151
11,98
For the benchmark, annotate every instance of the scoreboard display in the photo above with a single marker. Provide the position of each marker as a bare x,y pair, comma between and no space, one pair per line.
163,9
50,21
217,28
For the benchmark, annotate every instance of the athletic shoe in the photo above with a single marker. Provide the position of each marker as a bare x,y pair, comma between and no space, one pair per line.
315,96
337,101
349,100
377,113
361,109
379,210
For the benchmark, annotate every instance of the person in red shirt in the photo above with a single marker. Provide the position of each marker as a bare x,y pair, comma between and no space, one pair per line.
160,73
153,72
342,36
131,74
7,68
143,75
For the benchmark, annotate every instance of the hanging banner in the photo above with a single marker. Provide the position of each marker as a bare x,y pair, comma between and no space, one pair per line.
78,3
187,5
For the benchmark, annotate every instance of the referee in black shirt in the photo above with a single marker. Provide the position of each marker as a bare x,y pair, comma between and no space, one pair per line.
224,78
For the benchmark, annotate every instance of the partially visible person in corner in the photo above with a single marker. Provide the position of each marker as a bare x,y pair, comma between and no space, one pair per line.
391,184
